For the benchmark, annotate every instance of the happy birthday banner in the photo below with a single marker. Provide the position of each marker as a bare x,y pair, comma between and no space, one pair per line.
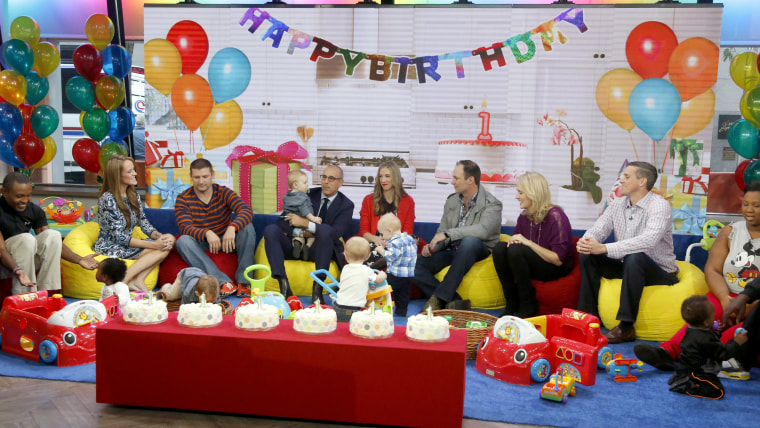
522,47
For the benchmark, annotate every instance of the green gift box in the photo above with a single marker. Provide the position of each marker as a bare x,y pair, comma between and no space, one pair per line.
267,184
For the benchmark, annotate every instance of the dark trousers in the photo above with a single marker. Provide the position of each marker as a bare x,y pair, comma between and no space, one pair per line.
637,271
400,286
279,246
751,349
517,265
470,250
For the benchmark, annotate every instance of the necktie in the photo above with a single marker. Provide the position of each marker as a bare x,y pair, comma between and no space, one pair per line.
323,208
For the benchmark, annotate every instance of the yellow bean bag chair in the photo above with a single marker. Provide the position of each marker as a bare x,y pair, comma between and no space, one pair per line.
298,273
659,315
79,282
481,285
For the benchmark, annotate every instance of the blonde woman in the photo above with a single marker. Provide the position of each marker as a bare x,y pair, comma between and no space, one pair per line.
541,247
119,212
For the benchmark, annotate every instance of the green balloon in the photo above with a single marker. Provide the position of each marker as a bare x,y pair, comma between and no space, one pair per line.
752,173
96,123
80,92
108,150
44,120
749,105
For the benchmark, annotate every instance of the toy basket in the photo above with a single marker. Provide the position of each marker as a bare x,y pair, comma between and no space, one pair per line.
474,335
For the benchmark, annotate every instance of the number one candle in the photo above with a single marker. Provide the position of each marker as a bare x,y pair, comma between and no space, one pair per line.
484,127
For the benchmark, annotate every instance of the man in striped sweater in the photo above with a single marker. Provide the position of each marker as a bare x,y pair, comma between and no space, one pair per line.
204,216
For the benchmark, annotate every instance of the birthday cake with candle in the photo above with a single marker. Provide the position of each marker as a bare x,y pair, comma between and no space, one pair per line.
315,320
499,161
201,314
145,311
257,316
427,328
371,324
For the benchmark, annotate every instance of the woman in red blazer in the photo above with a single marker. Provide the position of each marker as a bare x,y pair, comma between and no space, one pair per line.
389,196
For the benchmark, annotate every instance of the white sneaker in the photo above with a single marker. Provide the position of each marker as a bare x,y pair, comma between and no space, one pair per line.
733,370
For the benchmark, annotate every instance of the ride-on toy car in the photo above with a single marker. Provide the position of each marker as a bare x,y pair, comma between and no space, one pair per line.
520,351
38,327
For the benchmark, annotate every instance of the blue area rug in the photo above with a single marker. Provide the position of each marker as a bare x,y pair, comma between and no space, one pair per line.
646,402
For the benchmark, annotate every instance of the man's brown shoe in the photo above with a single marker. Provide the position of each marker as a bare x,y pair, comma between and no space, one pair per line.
616,335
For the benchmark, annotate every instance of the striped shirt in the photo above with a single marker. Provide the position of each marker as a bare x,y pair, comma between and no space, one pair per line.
641,228
401,255
195,218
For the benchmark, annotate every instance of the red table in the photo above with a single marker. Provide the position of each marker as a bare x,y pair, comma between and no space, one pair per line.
282,373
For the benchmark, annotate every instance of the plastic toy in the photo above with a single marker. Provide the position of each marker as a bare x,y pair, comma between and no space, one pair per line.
620,368
558,387
739,330
63,211
257,284
378,293
38,327
710,232
524,351
270,298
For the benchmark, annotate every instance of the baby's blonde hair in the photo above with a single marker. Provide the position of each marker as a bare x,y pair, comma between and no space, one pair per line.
294,175
208,285
357,250
389,221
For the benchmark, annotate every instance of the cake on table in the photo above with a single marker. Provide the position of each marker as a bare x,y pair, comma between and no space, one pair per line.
145,311
427,328
201,314
499,161
256,316
315,320
371,324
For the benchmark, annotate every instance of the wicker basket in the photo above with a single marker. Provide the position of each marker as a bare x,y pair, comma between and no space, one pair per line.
173,305
474,335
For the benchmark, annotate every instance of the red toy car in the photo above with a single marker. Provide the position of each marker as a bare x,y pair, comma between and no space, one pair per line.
520,351
38,327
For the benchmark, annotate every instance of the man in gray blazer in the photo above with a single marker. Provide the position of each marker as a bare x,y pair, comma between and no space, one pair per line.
469,229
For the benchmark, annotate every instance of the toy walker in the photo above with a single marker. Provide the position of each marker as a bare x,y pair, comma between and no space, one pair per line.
380,294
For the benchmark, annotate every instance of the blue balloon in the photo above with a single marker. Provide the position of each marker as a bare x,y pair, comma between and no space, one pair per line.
116,61
122,123
36,87
6,149
654,106
229,73
11,121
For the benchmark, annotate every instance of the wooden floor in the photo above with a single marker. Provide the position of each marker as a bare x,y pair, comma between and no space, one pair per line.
57,404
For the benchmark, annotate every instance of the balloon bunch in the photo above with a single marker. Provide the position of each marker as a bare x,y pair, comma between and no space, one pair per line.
682,105
171,67
743,134
25,127
100,95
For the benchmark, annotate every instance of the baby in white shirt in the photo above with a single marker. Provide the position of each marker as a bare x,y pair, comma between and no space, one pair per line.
111,272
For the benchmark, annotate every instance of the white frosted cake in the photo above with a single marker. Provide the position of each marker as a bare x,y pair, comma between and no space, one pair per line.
315,320
145,311
499,161
427,328
371,324
199,314
257,316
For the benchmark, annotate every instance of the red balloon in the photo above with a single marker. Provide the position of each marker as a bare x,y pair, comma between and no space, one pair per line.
26,114
648,49
192,43
88,61
739,173
29,148
86,152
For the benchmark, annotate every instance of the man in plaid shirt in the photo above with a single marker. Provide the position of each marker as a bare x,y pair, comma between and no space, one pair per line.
641,255
400,253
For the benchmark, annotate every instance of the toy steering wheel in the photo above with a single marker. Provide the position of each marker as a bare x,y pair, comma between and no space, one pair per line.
710,232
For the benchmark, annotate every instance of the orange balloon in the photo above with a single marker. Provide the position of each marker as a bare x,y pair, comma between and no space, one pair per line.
192,100
612,94
163,65
12,87
223,125
696,114
99,30
110,92
693,67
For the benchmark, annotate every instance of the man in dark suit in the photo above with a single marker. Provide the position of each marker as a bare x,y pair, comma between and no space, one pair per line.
335,210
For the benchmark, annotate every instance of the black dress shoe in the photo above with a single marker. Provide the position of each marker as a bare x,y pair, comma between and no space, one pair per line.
297,248
434,303
654,356
285,287
305,253
459,305
316,293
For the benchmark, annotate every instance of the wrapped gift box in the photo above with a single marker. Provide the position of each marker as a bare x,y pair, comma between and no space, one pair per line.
266,189
696,184
165,184
173,159
686,154
689,213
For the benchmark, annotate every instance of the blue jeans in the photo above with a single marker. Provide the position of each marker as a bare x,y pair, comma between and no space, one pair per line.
193,252
470,250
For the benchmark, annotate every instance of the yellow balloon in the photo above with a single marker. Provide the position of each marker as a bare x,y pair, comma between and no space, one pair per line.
99,29
12,87
162,65
46,58
223,125
81,119
696,114
744,70
48,154
26,29
612,94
